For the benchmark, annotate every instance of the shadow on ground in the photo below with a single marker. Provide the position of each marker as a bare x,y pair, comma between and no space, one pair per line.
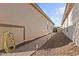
58,40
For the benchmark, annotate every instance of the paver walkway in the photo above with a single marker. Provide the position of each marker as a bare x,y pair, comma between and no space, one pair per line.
58,45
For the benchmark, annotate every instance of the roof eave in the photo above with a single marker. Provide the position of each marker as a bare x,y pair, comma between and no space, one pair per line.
68,8
41,11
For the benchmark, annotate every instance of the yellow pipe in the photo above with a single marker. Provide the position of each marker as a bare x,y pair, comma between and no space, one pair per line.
8,42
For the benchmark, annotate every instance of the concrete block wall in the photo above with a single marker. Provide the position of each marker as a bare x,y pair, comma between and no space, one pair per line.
73,25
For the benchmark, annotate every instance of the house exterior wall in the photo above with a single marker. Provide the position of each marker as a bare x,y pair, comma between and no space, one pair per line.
73,25
49,27
23,15
68,27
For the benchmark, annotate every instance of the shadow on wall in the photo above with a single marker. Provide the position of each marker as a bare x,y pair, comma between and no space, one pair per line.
73,32
69,31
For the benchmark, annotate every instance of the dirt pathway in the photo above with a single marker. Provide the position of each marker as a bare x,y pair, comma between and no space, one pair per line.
29,48
58,45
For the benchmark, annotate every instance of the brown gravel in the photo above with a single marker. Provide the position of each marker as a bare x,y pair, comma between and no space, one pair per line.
58,45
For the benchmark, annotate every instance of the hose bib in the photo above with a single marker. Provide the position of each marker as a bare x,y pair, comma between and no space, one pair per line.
8,42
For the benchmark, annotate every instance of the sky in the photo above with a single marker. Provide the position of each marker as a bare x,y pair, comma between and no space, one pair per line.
54,10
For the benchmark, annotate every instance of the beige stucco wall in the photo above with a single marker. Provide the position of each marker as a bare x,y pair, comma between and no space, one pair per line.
49,27
73,25
25,15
